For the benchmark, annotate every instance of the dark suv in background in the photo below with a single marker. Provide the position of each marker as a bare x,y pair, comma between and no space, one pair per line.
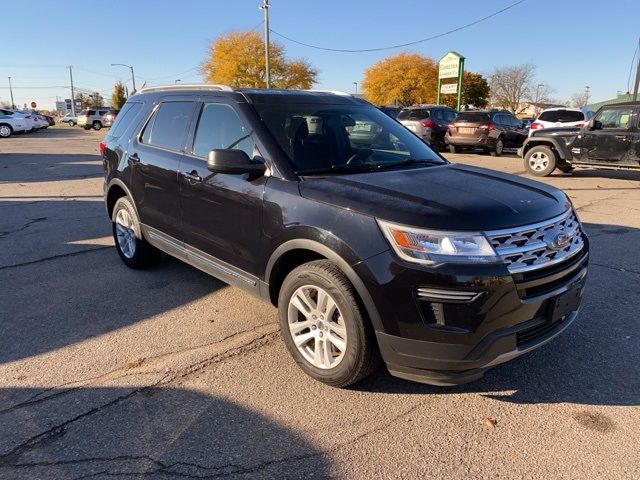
490,130
369,243
429,122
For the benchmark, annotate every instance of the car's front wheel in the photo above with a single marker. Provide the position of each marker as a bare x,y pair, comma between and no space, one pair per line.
133,249
540,161
323,326
498,149
5,130
97,125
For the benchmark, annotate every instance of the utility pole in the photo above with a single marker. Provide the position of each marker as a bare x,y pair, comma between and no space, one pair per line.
73,100
267,76
537,108
635,85
11,92
356,84
586,95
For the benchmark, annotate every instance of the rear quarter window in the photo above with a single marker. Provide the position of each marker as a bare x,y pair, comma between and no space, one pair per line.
126,116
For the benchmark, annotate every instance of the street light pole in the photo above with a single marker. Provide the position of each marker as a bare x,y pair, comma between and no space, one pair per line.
11,92
356,84
133,77
586,95
267,75
538,97
73,100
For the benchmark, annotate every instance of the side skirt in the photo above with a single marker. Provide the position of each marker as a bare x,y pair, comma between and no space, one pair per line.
201,260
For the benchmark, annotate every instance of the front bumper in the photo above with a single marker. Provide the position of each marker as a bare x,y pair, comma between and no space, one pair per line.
508,316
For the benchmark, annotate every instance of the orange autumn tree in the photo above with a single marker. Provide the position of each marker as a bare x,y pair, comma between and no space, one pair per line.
407,78
237,59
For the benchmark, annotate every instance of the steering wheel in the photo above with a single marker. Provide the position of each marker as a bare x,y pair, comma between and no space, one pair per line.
358,157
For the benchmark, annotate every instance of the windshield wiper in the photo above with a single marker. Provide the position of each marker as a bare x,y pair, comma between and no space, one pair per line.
334,169
410,161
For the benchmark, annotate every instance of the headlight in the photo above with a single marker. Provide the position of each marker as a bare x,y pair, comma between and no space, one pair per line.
430,246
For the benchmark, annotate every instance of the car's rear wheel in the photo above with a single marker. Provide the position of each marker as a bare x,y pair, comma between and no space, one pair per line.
133,249
5,130
498,148
87,127
73,124
323,326
454,149
97,125
540,161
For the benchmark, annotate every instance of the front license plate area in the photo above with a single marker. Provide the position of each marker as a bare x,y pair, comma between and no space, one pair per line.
565,304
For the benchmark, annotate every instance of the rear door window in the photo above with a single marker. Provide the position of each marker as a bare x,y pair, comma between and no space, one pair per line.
168,126
124,119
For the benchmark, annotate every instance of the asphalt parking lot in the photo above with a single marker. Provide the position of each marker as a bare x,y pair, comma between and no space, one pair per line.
107,372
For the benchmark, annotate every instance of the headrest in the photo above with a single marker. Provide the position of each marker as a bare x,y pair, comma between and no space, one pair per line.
297,128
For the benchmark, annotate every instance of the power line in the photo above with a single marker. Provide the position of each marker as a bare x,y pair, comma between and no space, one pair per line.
401,45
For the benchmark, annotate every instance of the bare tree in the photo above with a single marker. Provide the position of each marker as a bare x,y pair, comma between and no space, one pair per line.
578,100
511,86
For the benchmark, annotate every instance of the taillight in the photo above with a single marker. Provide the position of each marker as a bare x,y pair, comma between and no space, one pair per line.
429,123
102,146
536,125
487,126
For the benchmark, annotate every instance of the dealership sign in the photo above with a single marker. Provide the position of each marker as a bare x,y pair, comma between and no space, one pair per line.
449,66
449,88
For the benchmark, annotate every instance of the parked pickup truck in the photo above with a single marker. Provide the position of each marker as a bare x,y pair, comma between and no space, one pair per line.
611,139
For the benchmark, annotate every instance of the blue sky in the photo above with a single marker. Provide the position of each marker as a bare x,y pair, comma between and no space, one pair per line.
573,43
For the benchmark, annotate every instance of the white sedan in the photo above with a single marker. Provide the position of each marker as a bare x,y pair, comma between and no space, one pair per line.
11,123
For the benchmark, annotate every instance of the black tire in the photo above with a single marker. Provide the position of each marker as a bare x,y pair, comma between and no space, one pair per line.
361,355
72,124
97,126
87,127
454,149
5,130
145,255
540,160
498,148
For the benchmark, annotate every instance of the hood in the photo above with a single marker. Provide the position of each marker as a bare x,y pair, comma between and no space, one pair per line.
448,197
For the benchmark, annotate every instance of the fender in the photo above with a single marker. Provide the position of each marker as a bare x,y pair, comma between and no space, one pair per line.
344,266
121,184
558,144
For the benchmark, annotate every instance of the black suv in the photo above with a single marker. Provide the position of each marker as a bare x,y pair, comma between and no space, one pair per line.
490,130
369,248
611,139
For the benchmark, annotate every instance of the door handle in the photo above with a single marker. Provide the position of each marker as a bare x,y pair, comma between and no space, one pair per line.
134,158
192,177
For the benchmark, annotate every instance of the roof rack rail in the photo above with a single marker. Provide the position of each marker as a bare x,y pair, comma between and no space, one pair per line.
204,86
335,92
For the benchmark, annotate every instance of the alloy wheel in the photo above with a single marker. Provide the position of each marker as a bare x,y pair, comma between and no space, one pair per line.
317,327
5,131
125,234
538,161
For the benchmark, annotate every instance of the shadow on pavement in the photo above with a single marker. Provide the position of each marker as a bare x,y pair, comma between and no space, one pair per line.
600,173
594,362
159,432
47,167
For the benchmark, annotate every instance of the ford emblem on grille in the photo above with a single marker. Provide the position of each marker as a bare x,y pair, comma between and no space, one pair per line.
556,240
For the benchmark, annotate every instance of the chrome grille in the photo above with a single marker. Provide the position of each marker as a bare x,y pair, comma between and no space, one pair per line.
539,245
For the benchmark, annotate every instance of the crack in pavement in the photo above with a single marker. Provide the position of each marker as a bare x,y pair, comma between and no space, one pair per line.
618,269
211,472
54,257
38,397
24,227
7,459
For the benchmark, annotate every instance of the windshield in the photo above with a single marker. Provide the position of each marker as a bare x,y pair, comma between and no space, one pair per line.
318,138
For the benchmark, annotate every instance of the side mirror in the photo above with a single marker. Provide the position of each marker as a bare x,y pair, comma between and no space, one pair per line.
595,124
233,161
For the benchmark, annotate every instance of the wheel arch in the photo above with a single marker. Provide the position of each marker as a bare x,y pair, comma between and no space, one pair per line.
552,143
294,253
117,189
